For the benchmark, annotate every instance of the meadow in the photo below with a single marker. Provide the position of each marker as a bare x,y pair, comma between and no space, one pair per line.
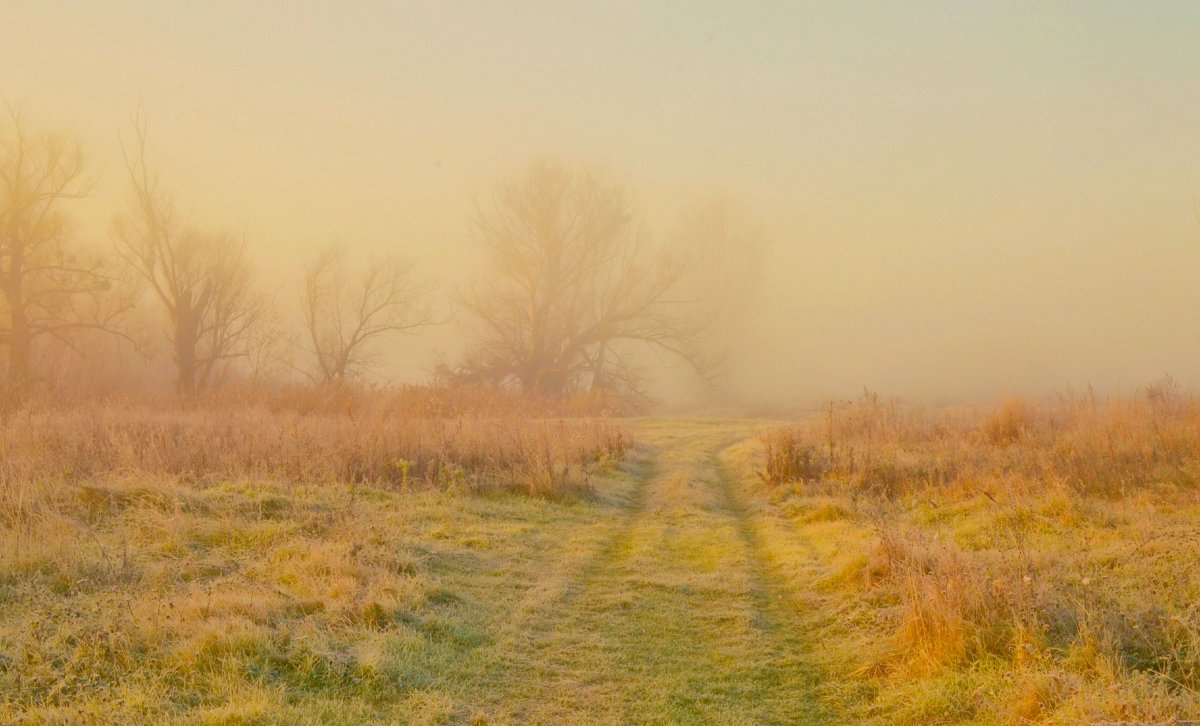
221,564
338,344
395,558
1029,562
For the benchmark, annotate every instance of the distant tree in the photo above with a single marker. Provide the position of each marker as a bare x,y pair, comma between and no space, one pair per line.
270,352
346,316
573,285
50,286
727,253
202,281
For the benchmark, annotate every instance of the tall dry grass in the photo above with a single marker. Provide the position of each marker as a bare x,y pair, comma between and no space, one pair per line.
206,445
1114,447
1051,544
237,561
436,400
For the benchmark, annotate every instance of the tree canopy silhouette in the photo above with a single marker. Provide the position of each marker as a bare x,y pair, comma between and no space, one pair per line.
574,284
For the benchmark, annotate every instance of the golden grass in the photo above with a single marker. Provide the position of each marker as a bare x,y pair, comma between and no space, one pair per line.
41,449
246,565
1030,562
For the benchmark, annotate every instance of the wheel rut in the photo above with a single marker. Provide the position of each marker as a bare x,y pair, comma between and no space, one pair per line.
675,618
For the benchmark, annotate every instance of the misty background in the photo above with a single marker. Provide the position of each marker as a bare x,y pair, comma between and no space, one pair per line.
960,202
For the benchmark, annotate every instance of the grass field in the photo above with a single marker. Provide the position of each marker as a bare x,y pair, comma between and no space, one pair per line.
1028,563
674,587
642,599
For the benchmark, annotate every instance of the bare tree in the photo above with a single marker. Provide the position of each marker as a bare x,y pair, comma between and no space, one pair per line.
202,281
574,286
346,317
270,352
50,286
726,254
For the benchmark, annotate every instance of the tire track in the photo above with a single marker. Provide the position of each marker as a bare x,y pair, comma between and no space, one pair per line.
675,618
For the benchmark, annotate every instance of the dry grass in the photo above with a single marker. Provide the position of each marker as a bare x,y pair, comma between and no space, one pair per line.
541,456
1030,562
408,401
246,565
1113,448
279,562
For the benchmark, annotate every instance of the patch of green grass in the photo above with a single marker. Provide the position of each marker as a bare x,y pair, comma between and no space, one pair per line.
654,598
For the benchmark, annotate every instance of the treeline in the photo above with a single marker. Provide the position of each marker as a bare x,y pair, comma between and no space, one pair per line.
576,290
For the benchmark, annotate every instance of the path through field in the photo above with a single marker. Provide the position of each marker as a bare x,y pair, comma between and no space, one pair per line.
655,598
673,617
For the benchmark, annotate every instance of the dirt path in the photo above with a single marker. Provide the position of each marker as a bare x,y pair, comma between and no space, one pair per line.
676,618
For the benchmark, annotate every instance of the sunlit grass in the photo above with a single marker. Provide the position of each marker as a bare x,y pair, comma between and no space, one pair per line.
1024,563
328,606
678,587
242,565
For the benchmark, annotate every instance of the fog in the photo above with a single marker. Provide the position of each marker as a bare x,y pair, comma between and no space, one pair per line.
958,202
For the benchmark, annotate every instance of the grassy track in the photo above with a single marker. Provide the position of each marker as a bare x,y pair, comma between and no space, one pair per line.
651,600
675,619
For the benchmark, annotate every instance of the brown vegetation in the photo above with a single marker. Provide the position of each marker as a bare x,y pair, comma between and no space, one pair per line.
232,564
84,445
1044,548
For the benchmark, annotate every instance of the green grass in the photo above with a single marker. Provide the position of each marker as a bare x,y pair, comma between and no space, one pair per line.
680,589
652,599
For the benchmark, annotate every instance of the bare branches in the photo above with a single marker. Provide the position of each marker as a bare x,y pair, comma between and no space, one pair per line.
49,287
724,253
345,317
576,291
573,279
215,313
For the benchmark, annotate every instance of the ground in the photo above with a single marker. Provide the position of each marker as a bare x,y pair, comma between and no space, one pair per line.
650,602
672,615
651,599
676,586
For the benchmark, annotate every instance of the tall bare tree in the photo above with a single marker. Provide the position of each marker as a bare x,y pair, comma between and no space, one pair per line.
202,281
345,317
574,285
50,286
726,255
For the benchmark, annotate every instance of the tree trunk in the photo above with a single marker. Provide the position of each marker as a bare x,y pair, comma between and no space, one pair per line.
598,382
20,337
19,345
185,354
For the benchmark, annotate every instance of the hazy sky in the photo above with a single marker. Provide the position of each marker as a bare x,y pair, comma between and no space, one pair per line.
964,198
